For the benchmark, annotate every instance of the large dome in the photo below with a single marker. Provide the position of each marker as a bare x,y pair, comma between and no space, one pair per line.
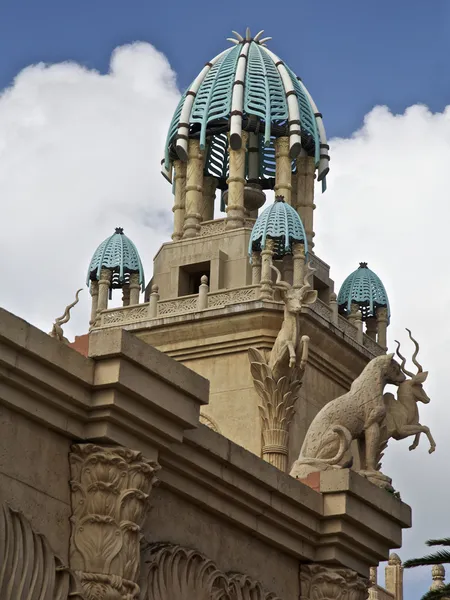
247,88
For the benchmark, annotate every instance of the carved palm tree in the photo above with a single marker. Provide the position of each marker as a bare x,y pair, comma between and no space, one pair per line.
440,557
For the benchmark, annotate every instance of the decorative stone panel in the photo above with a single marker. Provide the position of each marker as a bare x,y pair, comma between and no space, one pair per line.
318,582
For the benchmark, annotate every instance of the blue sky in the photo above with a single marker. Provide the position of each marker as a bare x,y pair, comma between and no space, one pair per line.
351,54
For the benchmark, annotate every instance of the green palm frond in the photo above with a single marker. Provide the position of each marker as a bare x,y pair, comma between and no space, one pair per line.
442,542
443,592
438,558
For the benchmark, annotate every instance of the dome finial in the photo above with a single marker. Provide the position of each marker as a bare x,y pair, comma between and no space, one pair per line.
119,230
279,198
240,39
363,265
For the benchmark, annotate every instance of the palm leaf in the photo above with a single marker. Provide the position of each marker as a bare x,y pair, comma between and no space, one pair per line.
443,592
255,356
431,559
443,542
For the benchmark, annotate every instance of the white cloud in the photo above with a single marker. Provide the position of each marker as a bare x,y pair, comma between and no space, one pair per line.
80,154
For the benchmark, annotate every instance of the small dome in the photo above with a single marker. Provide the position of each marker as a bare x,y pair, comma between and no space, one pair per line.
281,223
247,88
119,254
438,572
364,288
394,559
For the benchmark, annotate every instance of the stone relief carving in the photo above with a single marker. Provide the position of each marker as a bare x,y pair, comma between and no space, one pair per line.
219,226
218,299
357,414
110,490
172,572
278,380
29,570
178,306
125,315
318,582
205,420
402,413
57,330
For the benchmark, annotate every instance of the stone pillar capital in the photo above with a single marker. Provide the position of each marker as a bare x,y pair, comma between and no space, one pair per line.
110,488
320,582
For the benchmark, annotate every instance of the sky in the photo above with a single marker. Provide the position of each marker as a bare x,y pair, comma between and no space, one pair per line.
89,89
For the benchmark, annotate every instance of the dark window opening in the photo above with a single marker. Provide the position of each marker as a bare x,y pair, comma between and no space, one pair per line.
189,279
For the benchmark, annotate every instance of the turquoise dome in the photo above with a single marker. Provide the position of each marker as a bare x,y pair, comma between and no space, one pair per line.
119,254
364,288
246,88
281,223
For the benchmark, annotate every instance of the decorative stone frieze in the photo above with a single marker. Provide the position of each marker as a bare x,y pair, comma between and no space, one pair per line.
110,491
175,573
318,582
29,570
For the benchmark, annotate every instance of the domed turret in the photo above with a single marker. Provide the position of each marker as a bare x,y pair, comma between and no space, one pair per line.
246,124
363,296
280,223
364,288
115,265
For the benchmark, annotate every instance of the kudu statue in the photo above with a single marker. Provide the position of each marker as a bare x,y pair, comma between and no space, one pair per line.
284,353
402,416
57,330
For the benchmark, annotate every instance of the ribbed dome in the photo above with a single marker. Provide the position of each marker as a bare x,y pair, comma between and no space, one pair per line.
364,288
119,254
281,223
246,87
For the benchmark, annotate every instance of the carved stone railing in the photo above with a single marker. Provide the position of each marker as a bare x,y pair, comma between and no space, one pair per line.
219,226
125,314
178,306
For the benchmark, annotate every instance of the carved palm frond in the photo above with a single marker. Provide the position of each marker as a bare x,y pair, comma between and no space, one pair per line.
29,570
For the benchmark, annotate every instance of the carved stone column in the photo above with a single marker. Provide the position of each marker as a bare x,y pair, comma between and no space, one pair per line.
126,295
135,288
371,328
318,582
298,258
283,172
382,321
209,194
194,190
103,289
153,304
179,205
236,182
305,195
93,288
110,491
266,292
394,576
256,268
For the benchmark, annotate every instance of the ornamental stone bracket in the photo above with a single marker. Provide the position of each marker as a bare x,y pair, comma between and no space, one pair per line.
110,499
318,582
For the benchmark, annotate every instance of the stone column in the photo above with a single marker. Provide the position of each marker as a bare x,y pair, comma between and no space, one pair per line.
180,199
358,323
126,295
153,304
94,307
382,321
334,308
298,258
256,268
135,288
371,328
103,289
353,315
209,194
283,172
194,190
110,488
305,195
394,576
318,581
266,292
203,293
236,182
288,268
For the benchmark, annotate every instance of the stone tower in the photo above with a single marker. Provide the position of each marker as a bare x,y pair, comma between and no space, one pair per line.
245,130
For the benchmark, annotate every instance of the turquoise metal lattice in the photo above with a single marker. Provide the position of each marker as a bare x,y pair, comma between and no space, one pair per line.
364,288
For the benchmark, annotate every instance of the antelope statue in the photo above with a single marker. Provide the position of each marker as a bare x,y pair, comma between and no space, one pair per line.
283,355
402,417
57,330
